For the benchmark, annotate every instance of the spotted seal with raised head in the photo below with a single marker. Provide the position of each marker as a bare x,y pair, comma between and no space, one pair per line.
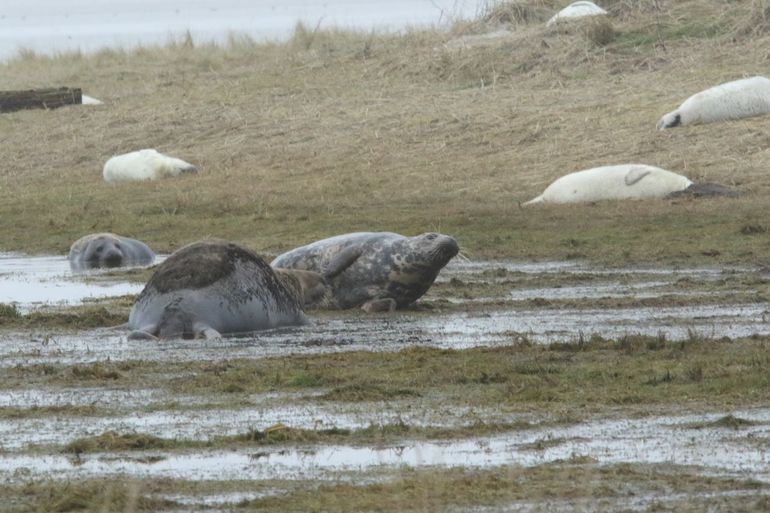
108,250
214,287
381,270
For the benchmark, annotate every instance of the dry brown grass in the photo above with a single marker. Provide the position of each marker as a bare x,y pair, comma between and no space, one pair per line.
338,131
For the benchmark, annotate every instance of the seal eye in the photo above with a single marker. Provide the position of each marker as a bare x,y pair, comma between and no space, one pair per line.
99,249
431,236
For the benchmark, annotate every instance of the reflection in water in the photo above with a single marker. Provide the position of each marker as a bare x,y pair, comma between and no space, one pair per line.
31,282
652,440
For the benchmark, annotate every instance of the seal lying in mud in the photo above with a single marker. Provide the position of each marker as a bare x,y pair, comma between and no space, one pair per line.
732,100
215,287
108,250
626,181
144,165
384,270
576,10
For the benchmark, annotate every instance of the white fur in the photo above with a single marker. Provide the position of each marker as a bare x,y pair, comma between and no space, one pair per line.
144,165
89,100
576,10
626,181
732,100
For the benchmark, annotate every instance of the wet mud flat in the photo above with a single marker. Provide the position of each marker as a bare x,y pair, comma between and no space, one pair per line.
650,381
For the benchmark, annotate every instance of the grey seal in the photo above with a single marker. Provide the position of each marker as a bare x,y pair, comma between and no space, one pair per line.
108,250
373,270
214,287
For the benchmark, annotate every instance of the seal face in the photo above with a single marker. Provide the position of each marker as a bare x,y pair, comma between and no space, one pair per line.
99,250
215,287
388,270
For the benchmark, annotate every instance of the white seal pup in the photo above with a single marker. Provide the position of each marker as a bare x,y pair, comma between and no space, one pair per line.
626,181
89,100
382,270
145,164
108,250
214,287
738,99
576,10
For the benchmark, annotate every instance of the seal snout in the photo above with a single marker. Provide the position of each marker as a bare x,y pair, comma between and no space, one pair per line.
444,248
112,258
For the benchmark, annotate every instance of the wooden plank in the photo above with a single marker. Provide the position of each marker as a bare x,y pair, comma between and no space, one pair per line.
49,98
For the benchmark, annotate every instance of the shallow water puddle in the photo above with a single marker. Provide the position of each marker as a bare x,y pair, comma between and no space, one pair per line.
31,282
203,424
652,440
394,332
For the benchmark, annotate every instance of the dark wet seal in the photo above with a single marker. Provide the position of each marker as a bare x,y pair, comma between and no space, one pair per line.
705,190
213,288
202,264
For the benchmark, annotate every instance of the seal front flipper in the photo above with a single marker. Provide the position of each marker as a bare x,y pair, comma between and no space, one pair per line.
145,333
342,261
635,174
205,331
387,304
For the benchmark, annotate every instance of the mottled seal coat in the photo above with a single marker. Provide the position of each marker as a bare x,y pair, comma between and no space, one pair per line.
732,100
382,270
215,287
146,164
108,250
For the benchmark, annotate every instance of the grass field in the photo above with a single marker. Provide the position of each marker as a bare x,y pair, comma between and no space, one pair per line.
337,131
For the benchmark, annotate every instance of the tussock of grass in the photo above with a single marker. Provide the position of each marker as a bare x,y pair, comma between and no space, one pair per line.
118,495
8,412
602,487
83,317
111,441
728,421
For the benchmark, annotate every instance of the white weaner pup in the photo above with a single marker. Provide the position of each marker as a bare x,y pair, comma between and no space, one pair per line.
576,10
732,100
144,165
626,181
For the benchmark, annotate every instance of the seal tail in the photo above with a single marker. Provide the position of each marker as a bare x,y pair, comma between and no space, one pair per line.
539,199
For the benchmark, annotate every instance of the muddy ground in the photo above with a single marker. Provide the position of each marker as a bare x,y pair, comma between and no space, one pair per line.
512,386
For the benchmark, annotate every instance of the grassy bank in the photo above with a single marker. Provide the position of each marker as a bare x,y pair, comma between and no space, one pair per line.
339,131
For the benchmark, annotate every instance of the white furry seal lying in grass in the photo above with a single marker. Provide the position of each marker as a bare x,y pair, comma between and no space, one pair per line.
386,270
576,10
626,181
144,165
108,250
738,99
214,287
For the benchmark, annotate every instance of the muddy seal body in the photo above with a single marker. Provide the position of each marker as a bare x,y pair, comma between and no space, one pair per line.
382,270
211,288
100,250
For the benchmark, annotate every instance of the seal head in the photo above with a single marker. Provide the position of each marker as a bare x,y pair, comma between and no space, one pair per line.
106,250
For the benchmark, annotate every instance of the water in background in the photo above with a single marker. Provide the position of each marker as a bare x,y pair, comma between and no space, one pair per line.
50,26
